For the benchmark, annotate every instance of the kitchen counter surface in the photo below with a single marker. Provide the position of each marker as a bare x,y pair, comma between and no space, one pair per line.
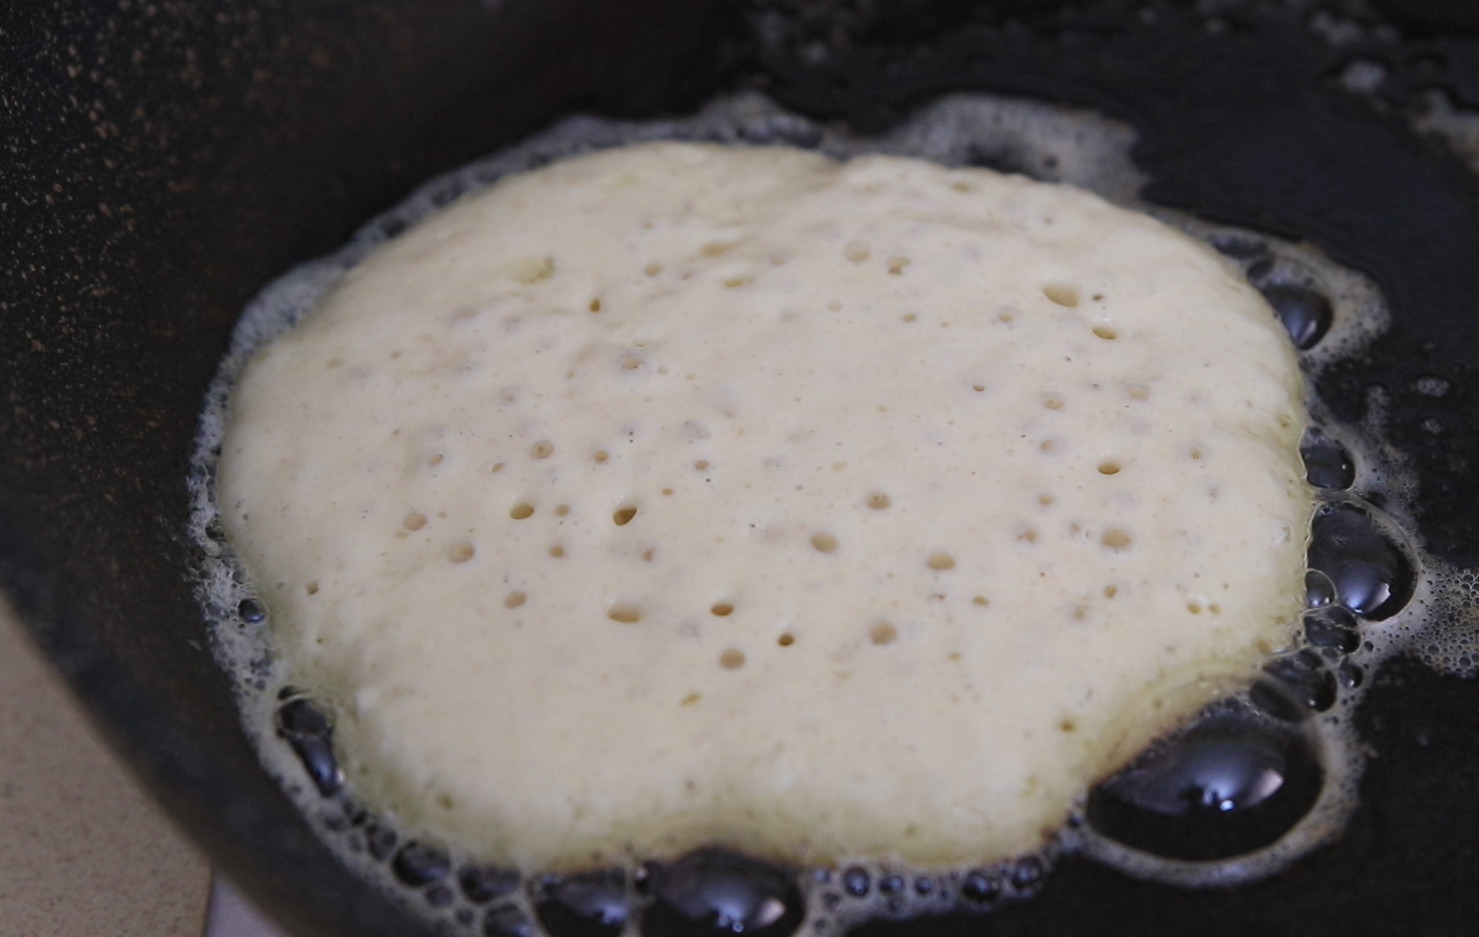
84,849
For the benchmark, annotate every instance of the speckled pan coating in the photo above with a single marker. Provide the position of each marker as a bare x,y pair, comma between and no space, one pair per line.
143,201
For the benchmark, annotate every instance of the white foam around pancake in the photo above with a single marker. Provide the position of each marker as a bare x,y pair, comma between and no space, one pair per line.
951,489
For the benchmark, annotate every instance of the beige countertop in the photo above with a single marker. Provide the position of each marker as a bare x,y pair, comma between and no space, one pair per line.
85,851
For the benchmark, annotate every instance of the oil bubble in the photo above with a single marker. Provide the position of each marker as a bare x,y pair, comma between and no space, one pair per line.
508,920
1372,576
483,883
980,887
1231,784
1305,312
713,892
381,841
1304,677
251,611
1332,626
417,864
309,732
585,904
1326,462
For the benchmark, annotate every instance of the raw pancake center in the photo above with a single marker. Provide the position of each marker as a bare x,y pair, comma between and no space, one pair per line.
683,494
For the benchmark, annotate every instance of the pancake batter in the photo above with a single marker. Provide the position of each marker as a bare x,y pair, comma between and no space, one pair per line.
681,494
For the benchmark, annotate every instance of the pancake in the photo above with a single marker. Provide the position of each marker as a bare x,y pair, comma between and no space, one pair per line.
681,494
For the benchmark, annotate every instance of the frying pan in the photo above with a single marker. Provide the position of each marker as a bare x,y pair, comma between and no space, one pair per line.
163,160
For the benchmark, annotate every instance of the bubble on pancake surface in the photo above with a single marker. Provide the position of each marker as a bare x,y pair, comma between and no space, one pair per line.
1086,150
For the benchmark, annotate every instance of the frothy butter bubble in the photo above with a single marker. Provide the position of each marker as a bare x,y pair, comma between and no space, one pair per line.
833,511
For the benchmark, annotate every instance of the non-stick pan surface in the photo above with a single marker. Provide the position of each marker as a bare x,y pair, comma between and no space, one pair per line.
159,162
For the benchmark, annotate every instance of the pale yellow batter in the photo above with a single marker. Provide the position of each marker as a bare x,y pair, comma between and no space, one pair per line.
682,494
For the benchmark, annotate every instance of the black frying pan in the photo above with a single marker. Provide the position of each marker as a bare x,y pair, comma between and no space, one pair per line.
162,161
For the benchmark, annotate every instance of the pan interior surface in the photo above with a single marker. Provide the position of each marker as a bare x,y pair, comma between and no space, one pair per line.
211,150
